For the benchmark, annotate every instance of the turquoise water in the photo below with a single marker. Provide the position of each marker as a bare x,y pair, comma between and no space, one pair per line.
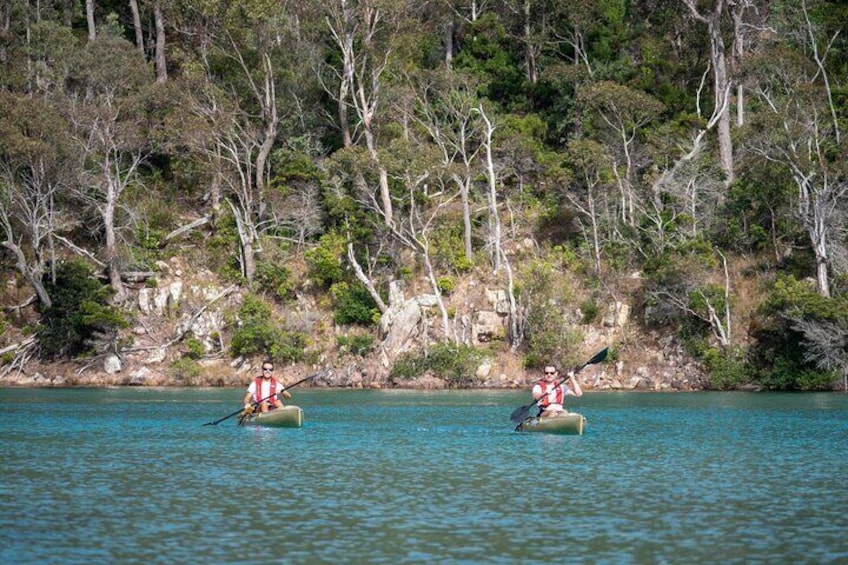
132,476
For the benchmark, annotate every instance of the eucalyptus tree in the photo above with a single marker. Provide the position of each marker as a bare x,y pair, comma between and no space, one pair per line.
139,32
36,49
825,345
722,83
457,14
36,170
247,88
618,115
490,172
750,22
364,35
90,20
416,222
109,128
159,52
800,129
693,280
468,10
581,32
446,108
591,166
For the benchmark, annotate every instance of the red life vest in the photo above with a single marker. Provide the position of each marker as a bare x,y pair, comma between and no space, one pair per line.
545,401
271,393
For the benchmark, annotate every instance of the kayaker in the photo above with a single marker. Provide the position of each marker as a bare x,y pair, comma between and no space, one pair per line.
549,392
265,388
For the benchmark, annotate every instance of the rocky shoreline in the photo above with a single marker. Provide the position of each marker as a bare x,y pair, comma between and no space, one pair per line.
364,373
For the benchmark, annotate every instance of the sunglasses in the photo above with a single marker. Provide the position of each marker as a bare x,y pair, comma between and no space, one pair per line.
267,370
550,372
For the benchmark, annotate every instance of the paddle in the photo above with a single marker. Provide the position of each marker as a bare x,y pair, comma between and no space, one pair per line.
520,414
285,388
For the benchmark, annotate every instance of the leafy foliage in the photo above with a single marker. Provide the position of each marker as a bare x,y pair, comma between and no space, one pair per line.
325,260
80,318
186,370
353,304
259,333
551,337
275,278
780,350
727,368
457,364
601,148
355,344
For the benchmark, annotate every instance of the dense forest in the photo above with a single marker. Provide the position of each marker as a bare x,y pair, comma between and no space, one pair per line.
686,157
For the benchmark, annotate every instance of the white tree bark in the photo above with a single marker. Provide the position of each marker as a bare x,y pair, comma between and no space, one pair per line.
495,251
139,33
89,18
721,82
159,56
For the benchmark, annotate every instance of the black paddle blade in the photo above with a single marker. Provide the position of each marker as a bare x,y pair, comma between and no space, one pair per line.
599,356
520,414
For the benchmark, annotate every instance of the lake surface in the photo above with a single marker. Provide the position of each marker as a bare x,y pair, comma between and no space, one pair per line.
132,476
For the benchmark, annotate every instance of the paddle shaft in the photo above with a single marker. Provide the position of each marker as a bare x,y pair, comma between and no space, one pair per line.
521,413
269,397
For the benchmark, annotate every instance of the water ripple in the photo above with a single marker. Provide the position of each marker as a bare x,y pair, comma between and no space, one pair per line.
130,476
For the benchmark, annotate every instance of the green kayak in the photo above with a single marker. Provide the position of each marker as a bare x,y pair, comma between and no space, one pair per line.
567,423
285,417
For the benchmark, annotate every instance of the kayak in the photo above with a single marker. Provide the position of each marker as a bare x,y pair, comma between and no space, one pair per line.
285,417
567,423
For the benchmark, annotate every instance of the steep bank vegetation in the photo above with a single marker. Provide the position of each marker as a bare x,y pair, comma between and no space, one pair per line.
427,185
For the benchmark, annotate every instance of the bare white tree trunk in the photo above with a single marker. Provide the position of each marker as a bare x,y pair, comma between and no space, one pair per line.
159,57
341,27
247,236
452,124
28,217
68,14
139,33
721,82
363,278
529,49
448,42
268,103
492,194
89,18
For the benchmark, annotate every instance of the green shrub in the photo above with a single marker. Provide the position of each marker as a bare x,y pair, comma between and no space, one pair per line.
260,333
353,304
324,260
186,370
550,337
222,249
275,279
356,344
194,347
449,247
446,284
780,350
457,364
727,368
80,319
590,311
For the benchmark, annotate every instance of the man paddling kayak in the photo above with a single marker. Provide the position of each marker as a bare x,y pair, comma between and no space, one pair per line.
550,394
263,391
